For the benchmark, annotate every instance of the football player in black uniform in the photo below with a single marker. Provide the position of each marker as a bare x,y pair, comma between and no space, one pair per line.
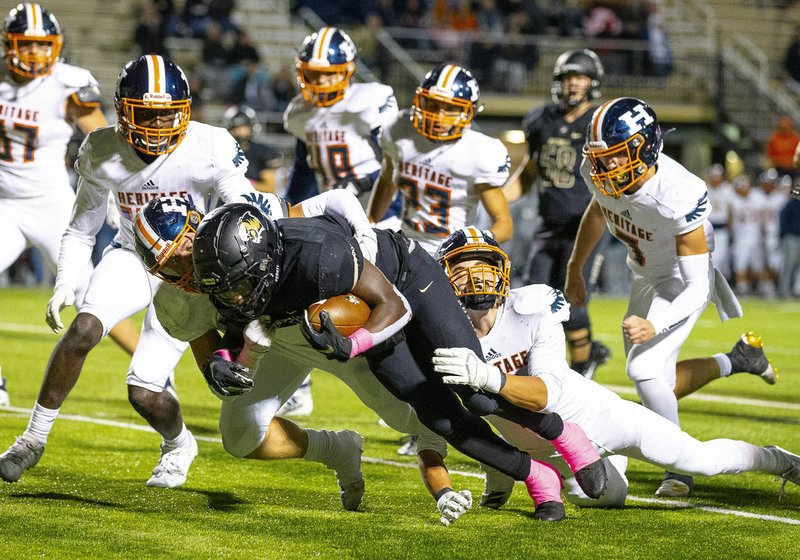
255,268
555,134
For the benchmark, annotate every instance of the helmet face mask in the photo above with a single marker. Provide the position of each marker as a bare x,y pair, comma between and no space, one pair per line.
325,66
478,269
576,62
235,257
32,39
622,144
445,103
153,104
160,229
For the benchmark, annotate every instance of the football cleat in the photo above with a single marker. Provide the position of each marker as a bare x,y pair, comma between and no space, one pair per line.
5,400
348,468
675,485
497,489
544,487
598,355
747,356
495,499
173,466
583,459
21,456
301,403
550,511
791,474
408,446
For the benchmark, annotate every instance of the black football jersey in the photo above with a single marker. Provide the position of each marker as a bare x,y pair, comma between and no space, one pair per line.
556,147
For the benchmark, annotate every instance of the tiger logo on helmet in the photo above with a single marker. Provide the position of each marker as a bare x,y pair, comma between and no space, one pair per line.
325,66
445,103
32,39
622,144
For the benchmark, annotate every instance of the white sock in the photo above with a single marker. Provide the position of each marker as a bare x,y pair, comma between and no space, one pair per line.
183,439
41,422
321,444
724,363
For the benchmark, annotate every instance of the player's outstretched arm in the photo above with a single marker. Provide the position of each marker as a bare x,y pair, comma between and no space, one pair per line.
496,205
382,192
589,233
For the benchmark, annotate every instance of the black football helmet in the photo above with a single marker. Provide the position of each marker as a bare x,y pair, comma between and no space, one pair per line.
25,25
236,257
453,88
487,282
149,86
627,128
158,231
582,62
329,51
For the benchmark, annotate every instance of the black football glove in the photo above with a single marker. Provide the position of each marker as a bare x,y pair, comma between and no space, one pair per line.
226,379
330,341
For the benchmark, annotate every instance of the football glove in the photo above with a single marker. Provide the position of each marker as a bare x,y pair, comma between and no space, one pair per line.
461,366
453,505
226,379
368,241
62,297
330,341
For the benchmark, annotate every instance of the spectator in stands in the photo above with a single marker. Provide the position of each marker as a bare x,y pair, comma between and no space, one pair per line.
567,18
283,88
790,247
658,45
488,40
601,21
781,146
195,17
791,61
150,31
220,11
517,56
251,86
214,69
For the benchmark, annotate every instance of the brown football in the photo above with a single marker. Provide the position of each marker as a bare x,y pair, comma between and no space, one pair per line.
348,313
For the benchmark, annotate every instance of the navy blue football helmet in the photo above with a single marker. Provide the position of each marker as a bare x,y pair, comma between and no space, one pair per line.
445,102
236,258
158,231
624,129
480,286
325,65
32,40
152,90
581,62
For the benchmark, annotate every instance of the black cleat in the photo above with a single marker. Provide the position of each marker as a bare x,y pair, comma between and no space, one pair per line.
550,511
598,355
592,479
747,356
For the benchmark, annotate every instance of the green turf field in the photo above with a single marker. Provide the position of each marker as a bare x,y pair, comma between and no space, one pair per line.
87,497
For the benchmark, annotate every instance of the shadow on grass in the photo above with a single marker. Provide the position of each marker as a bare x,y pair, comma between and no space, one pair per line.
65,498
217,500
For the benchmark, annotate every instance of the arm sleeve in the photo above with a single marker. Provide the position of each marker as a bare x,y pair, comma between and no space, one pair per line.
303,182
547,355
341,202
88,216
697,288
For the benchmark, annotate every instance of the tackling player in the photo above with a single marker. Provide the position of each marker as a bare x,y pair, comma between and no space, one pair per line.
522,340
336,122
254,268
659,210
442,167
555,134
154,150
41,99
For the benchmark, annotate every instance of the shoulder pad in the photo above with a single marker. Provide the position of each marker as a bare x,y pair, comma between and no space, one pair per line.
538,298
87,96
274,207
531,117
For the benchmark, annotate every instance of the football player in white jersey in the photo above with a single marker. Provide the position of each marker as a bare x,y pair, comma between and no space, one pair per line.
747,228
41,98
720,193
154,150
443,168
337,122
659,210
249,419
522,339
775,199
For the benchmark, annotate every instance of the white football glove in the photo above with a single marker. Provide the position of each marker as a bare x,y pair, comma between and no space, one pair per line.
62,297
460,366
257,341
453,505
368,241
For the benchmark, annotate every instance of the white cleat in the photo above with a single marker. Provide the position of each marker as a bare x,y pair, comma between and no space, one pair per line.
22,455
792,473
348,468
300,403
173,466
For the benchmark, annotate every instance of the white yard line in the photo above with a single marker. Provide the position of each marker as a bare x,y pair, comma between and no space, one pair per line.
17,411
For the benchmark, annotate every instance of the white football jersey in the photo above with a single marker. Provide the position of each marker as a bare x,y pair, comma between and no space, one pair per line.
673,202
438,179
747,213
773,204
527,339
35,131
720,198
340,137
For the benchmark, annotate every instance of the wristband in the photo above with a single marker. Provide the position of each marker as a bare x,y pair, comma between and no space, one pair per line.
224,353
361,342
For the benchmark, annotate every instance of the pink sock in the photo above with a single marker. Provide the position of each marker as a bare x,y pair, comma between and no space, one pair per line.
543,483
575,447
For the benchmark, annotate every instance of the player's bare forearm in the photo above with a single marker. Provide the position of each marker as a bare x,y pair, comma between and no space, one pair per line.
589,234
86,119
525,391
381,197
496,205
521,180
388,307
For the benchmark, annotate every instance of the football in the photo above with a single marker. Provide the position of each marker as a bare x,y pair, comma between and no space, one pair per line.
348,313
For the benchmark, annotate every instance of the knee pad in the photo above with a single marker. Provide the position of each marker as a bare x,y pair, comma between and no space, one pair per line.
578,319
